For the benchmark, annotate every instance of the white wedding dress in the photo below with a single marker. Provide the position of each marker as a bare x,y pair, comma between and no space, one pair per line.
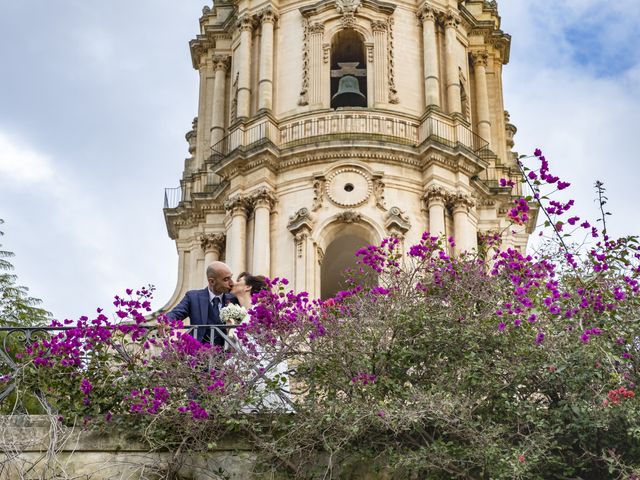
265,366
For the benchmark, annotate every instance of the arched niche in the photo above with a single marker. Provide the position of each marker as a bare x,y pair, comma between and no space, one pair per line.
348,75
341,241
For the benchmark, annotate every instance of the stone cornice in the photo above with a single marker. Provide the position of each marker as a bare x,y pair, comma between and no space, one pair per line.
322,6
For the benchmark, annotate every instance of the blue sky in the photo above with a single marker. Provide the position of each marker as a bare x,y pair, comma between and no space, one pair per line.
95,98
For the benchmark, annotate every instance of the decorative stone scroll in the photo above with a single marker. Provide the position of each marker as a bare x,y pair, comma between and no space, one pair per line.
318,192
378,192
397,223
349,217
299,221
393,92
304,91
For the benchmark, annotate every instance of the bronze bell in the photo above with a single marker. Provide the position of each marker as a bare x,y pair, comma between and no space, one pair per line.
348,94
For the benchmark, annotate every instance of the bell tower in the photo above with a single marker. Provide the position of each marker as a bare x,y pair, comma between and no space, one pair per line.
323,126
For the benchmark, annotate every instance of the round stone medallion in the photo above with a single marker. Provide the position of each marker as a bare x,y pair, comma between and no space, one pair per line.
348,187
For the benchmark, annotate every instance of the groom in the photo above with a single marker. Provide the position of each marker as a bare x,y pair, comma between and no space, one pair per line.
203,306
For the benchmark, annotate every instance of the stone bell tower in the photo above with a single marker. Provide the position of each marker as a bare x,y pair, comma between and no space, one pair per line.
325,125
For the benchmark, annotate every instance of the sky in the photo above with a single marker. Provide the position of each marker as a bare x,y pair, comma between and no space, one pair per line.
95,99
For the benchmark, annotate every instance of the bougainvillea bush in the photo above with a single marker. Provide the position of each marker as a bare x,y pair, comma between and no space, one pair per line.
501,365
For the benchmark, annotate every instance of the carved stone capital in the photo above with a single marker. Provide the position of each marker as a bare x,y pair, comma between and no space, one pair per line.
462,201
349,217
316,27
379,26
397,222
221,62
451,20
480,58
435,193
245,23
263,197
427,13
267,15
236,205
300,221
213,241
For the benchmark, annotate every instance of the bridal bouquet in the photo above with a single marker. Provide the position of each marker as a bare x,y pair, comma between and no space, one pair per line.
232,314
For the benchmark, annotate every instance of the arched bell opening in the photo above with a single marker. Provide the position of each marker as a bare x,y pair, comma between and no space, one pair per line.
343,241
348,70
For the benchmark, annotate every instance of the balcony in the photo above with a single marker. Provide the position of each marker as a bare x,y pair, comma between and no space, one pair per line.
344,125
352,124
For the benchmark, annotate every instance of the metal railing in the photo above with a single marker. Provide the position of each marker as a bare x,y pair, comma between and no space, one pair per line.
340,125
347,125
14,342
172,197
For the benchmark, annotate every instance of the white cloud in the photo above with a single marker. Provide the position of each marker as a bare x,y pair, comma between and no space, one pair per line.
21,163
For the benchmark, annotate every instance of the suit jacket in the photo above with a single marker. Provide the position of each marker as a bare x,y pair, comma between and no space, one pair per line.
195,305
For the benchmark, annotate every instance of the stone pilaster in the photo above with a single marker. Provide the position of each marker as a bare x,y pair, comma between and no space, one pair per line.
267,19
427,16
482,95
451,22
380,80
316,38
300,225
221,66
245,25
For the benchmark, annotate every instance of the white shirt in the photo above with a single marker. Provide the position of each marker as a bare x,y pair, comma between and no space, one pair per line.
212,296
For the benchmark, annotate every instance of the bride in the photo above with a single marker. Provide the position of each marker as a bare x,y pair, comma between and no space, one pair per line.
266,370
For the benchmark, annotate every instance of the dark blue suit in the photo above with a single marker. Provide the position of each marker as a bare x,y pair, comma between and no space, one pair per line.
195,305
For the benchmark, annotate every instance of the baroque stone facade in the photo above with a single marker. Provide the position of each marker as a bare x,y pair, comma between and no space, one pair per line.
326,125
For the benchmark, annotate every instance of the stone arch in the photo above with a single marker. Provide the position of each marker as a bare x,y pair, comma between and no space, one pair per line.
339,238
348,69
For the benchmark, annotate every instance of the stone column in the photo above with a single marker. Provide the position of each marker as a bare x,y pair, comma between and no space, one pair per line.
431,80
236,233
212,244
465,233
482,95
221,65
380,62
263,202
245,25
451,23
436,200
265,76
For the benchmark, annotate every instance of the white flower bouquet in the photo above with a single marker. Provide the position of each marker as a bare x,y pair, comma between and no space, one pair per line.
232,314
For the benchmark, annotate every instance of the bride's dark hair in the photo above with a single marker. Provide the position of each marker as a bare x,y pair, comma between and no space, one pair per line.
256,282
